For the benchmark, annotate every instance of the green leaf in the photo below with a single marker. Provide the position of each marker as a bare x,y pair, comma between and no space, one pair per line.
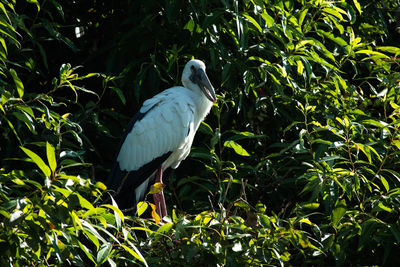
376,123
75,220
383,207
385,183
303,14
300,67
84,202
395,232
4,46
189,26
307,221
92,236
313,206
394,173
265,220
117,212
4,11
59,8
368,229
119,93
338,211
23,116
95,211
36,3
88,227
336,39
268,19
365,150
165,228
156,188
141,207
38,161
27,110
134,254
103,253
370,52
86,251
205,128
18,83
389,49
174,217
357,5
51,157
238,148
254,22
332,12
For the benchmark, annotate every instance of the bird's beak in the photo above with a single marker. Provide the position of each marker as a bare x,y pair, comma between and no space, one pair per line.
201,79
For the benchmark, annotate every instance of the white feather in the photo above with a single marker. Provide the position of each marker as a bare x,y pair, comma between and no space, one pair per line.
169,125
168,120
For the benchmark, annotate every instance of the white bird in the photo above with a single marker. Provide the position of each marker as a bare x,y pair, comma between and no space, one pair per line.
160,136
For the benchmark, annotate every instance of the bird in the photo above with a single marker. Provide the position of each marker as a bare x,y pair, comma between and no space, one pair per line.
160,136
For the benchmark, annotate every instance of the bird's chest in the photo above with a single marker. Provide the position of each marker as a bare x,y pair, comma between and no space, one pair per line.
180,153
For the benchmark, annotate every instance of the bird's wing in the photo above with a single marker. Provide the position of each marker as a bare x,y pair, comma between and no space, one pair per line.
161,127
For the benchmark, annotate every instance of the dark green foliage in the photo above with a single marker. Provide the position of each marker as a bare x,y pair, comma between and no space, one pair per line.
297,164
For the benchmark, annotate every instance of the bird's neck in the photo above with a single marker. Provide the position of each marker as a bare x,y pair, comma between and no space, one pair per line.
203,105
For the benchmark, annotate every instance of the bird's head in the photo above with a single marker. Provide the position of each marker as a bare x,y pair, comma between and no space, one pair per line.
194,76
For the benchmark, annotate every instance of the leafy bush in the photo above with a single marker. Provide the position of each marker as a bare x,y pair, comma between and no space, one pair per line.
296,164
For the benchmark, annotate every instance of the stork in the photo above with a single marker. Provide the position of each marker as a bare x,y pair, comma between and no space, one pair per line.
160,136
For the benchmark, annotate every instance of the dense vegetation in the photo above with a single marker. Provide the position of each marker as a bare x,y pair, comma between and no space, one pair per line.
297,164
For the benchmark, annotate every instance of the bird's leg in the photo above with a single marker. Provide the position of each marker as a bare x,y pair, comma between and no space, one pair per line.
159,199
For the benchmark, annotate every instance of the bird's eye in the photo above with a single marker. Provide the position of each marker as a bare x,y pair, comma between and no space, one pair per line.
192,68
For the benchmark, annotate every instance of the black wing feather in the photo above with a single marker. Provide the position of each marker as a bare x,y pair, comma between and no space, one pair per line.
129,181
124,183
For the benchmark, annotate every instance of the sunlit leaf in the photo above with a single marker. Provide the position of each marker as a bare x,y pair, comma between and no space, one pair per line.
154,214
389,49
338,40
103,253
156,188
85,203
384,207
371,52
119,216
385,183
300,67
338,211
38,161
134,254
165,228
18,83
307,221
51,157
254,22
302,16
311,205
357,5
333,12
141,207
27,119
268,19
236,147
36,3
